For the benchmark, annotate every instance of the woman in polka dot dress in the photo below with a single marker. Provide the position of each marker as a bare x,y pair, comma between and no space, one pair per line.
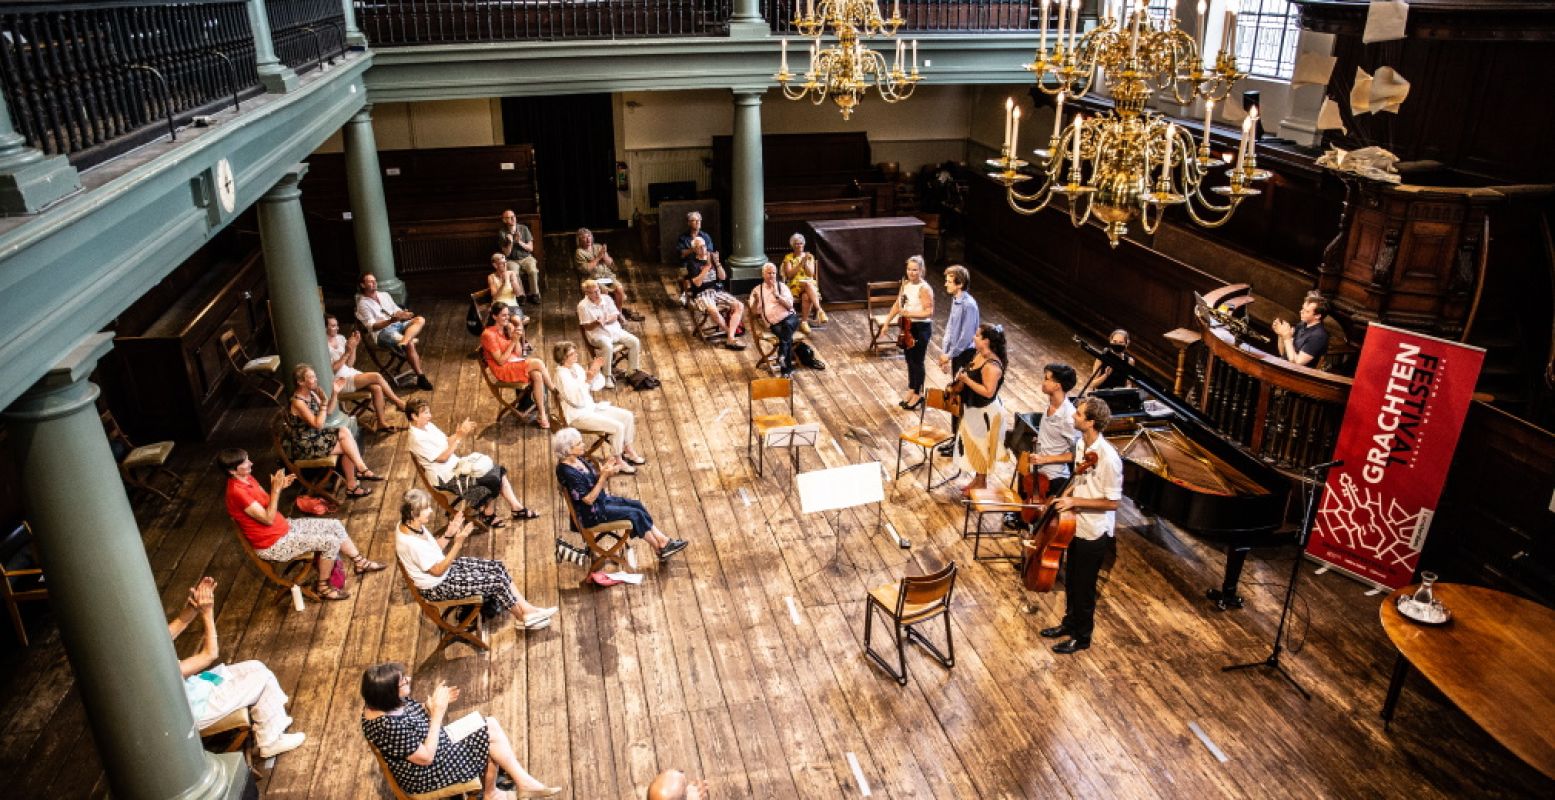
420,754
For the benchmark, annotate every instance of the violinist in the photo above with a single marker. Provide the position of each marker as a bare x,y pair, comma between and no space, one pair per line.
1094,501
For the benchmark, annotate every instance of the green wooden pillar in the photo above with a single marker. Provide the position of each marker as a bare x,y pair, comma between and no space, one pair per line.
354,35
103,594
28,180
276,77
369,214
749,210
294,286
746,21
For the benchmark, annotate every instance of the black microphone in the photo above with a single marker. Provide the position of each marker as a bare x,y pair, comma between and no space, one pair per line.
1326,464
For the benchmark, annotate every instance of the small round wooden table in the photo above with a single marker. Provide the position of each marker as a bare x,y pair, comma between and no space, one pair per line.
1495,660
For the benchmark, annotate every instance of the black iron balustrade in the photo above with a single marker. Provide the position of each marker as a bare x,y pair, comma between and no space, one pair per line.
81,79
929,15
307,33
388,23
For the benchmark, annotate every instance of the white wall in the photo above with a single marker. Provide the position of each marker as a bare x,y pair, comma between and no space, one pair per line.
437,123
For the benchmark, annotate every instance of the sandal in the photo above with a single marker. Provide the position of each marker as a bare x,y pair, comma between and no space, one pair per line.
327,592
637,460
369,475
492,521
524,513
358,491
363,565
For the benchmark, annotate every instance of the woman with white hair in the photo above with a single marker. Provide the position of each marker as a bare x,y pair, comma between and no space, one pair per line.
575,385
585,487
802,275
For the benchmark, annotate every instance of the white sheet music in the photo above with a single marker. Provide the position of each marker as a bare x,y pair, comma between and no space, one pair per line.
840,487
465,725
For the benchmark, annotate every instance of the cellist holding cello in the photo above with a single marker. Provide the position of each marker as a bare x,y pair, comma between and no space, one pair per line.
1093,500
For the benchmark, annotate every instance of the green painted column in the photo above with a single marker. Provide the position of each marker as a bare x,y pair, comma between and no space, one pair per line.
294,286
749,210
746,21
354,35
276,77
28,180
369,214
103,594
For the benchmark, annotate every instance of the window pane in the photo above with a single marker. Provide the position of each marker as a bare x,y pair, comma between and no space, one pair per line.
1266,33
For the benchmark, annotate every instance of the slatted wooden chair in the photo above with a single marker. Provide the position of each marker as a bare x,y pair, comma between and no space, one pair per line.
878,299
21,574
281,576
558,421
617,352
446,500
767,341
701,322
391,362
357,405
758,424
912,602
468,790
457,620
999,500
140,466
231,734
927,438
519,406
259,375
320,477
932,232
606,542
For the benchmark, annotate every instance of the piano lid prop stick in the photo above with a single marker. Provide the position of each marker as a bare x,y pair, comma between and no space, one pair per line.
793,609
1208,743
858,775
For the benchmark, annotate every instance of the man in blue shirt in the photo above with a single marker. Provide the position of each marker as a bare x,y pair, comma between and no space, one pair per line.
694,232
956,352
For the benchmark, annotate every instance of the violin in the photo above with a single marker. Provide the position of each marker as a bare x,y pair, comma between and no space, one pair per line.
1043,551
953,402
905,339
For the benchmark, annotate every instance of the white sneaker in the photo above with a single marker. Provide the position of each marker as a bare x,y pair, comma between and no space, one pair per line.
543,614
284,743
544,622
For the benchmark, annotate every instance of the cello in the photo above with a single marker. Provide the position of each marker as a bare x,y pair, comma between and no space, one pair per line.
1046,547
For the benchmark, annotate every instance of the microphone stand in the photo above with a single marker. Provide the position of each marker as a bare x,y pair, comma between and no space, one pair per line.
1319,475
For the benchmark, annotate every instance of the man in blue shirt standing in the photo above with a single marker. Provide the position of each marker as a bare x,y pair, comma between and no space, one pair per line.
956,352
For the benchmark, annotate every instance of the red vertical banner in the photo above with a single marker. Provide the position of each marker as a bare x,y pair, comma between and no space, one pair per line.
1400,428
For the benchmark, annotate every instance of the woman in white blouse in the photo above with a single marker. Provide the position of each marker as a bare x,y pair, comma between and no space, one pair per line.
445,575
581,411
342,360
436,452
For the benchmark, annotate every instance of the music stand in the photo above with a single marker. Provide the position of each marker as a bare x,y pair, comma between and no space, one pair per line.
838,489
793,437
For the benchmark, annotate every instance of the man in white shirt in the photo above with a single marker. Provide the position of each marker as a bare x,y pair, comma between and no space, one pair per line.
391,326
601,323
1094,501
1056,435
774,303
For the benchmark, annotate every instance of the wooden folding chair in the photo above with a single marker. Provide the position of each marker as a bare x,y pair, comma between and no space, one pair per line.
928,438
916,600
480,303
594,538
357,404
447,500
521,403
139,465
238,728
999,500
767,341
758,424
391,362
617,352
559,421
259,375
457,620
21,574
701,321
460,791
280,574
879,297
330,485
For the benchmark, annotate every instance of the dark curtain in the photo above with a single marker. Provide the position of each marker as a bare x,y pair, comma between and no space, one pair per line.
574,141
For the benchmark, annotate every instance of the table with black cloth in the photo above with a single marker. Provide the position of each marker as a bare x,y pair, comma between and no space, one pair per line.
854,252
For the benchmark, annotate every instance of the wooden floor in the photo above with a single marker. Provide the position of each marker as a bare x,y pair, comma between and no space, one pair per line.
703,667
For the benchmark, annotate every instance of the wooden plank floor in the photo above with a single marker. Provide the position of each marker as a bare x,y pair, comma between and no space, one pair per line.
702,667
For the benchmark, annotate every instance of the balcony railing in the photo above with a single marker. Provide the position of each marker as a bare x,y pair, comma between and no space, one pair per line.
92,80
409,22
932,15
307,33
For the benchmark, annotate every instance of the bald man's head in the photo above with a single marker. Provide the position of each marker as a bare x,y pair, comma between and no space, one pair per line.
668,785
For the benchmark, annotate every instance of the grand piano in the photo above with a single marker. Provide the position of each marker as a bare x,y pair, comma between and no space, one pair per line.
1179,468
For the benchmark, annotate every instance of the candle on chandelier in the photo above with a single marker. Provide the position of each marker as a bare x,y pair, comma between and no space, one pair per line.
1133,42
1074,165
1074,22
784,69
1171,11
1209,116
1063,22
797,9
896,10
1166,148
811,73
1203,9
1042,45
1247,132
897,66
1015,132
915,56
1058,117
809,6
1009,113
1231,35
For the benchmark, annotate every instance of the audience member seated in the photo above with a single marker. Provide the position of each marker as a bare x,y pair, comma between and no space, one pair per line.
503,282
693,232
773,304
421,755
436,450
1306,342
502,345
582,411
672,784
308,437
216,690
803,277
706,274
342,355
448,576
601,323
274,537
394,328
516,245
585,487
593,261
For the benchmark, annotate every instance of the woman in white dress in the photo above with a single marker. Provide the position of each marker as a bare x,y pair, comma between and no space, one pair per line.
342,359
576,385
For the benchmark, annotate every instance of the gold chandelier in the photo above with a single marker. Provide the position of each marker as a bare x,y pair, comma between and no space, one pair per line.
1130,162
846,70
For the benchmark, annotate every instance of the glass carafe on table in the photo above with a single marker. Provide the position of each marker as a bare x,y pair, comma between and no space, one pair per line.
1423,595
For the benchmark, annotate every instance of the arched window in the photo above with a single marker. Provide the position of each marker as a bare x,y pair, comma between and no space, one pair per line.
1266,34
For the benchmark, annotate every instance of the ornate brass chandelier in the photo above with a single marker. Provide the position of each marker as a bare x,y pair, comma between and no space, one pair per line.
846,70
1129,162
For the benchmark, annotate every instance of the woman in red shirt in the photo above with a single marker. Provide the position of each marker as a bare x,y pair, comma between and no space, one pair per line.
275,538
504,352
